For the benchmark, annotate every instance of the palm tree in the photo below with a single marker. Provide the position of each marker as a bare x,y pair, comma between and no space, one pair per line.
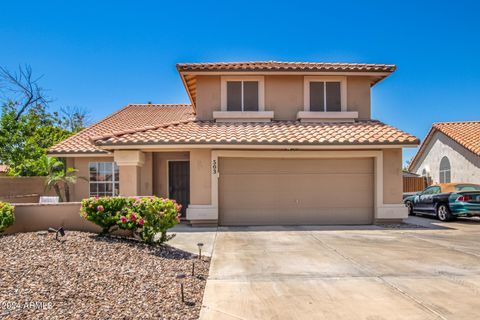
58,177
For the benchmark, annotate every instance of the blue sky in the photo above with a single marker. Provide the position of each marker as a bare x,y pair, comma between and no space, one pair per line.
102,55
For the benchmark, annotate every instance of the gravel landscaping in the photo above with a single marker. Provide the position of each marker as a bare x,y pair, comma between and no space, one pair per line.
89,277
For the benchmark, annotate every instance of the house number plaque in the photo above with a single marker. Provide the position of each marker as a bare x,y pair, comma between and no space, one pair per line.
214,166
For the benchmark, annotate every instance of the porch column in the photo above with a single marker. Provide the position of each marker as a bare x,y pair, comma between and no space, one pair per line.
129,166
201,211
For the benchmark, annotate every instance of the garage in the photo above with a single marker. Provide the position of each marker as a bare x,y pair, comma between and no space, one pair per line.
285,191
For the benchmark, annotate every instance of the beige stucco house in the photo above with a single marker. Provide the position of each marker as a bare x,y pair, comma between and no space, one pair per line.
450,153
262,143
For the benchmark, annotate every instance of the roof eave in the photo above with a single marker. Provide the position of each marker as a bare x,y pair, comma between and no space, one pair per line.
73,154
152,145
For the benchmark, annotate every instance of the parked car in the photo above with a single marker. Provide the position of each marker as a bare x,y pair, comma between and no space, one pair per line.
446,201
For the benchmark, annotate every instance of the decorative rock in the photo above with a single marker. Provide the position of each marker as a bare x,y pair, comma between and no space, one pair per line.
96,277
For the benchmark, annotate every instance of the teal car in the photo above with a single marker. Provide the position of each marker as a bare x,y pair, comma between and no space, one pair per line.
446,201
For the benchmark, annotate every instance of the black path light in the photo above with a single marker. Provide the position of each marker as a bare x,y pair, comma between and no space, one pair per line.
181,278
200,245
60,231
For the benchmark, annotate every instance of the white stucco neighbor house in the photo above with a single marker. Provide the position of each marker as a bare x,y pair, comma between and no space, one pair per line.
450,153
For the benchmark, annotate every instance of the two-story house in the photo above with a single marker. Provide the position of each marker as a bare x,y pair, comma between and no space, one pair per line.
262,143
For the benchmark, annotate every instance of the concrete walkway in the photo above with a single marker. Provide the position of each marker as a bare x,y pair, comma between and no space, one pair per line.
344,273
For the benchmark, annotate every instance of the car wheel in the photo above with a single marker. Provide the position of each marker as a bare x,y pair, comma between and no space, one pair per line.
443,213
410,208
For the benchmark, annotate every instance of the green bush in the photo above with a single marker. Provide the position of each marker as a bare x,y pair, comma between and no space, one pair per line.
147,217
104,212
159,215
6,215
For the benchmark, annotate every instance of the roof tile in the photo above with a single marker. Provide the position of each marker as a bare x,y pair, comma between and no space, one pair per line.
285,66
466,133
140,116
275,132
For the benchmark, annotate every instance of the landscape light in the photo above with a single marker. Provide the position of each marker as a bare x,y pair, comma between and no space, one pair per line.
180,278
60,231
200,245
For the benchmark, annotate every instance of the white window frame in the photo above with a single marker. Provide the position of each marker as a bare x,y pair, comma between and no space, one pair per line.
113,182
261,90
343,90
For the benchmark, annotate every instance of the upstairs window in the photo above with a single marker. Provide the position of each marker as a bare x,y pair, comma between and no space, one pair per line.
325,94
242,96
242,93
445,170
104,179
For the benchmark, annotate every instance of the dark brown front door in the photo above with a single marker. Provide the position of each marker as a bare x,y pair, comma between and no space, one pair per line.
179,183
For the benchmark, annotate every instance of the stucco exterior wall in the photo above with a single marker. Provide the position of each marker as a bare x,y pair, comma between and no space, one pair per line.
146,173
23,189
358,96
283,96
465,166
30,217
208,96
392,176
159,172
36,217
200,177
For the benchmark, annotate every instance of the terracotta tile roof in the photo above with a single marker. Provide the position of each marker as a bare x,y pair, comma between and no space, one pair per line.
467,134
131,117
285,66
275,132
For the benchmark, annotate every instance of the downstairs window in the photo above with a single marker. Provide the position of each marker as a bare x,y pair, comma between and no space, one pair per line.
103,179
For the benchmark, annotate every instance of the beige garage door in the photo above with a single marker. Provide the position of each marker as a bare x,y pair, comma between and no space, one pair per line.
295,191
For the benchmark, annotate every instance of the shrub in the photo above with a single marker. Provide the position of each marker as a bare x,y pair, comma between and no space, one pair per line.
104,212
146,217
6,215
159,215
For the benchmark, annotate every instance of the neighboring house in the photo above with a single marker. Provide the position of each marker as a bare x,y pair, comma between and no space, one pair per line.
450,153
262,143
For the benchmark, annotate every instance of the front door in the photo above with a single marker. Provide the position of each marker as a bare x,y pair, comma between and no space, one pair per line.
179,183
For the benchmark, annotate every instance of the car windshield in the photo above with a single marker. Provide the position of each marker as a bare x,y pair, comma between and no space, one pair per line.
467,187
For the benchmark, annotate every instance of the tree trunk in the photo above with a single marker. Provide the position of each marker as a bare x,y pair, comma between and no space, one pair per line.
58,192
67,192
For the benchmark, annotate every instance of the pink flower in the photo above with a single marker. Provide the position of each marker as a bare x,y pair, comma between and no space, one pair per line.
133,217
123,219
100,208
141,222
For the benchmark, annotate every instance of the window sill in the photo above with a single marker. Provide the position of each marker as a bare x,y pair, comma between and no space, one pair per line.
319,116
243,116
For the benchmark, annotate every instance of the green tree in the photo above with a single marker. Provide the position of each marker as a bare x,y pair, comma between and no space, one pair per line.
24,140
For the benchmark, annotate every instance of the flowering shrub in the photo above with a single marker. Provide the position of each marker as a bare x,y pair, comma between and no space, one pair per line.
147,217
104,212
6,215
159,215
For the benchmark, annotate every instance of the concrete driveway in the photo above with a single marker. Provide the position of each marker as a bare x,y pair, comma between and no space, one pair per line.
345,273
